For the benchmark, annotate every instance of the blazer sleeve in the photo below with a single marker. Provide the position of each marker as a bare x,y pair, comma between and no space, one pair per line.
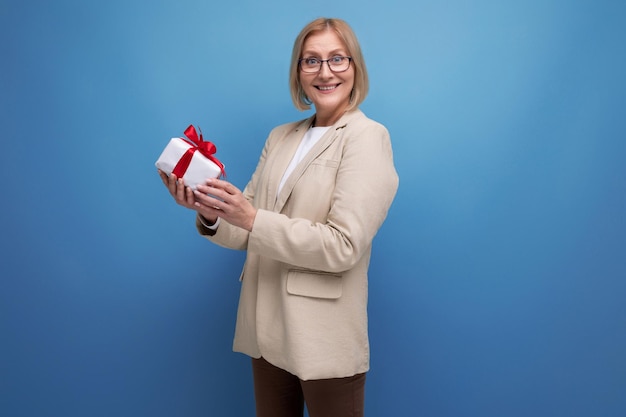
364,188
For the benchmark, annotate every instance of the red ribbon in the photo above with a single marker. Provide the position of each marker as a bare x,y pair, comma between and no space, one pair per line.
198,144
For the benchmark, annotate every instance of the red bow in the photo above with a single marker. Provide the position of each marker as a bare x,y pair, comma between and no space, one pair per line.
198,144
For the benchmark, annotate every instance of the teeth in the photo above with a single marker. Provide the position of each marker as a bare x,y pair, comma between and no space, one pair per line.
326,88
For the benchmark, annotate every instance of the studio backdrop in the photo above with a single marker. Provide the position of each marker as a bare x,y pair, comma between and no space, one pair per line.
497,282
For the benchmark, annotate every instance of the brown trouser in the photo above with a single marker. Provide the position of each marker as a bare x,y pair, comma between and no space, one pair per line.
281,394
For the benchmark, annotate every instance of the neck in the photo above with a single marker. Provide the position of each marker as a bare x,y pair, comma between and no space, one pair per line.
327,119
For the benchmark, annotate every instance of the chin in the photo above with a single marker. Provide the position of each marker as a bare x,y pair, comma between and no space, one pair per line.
330,103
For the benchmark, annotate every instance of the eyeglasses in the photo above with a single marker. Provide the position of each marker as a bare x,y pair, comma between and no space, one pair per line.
335,64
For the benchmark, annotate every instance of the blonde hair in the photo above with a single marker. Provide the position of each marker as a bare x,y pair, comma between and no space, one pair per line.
345,33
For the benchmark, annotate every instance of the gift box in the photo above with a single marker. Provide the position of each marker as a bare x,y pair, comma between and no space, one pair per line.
190,158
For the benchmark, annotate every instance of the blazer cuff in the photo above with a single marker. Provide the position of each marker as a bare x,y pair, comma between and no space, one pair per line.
204,227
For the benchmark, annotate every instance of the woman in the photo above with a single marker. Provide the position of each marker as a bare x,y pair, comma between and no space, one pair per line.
307,218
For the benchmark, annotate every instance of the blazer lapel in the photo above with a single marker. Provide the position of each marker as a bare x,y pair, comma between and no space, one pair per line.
324,142
281,158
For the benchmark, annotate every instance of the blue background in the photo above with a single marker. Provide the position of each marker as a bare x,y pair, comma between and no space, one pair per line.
497,282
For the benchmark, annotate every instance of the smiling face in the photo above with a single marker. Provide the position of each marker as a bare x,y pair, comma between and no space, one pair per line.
328,91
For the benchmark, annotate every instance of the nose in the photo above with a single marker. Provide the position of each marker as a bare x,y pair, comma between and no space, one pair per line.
325,71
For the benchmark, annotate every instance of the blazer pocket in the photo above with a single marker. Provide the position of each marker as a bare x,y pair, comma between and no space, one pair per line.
314,284
331,163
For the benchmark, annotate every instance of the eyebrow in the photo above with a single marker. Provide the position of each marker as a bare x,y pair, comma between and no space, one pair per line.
339,51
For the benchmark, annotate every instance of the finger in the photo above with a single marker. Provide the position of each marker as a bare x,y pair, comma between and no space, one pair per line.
208,212
164,178
221,189
171,183
181,189
189,196
208,200
222,185
213,192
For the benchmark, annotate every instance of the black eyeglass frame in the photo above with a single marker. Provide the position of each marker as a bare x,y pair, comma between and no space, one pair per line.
327,63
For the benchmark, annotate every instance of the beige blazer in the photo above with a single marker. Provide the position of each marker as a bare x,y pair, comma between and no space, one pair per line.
303,301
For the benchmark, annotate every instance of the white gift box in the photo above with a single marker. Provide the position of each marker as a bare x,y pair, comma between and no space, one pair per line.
200,168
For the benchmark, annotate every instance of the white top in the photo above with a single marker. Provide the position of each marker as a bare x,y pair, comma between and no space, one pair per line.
311,137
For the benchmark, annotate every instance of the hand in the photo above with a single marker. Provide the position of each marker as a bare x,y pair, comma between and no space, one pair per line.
176,186
220,198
